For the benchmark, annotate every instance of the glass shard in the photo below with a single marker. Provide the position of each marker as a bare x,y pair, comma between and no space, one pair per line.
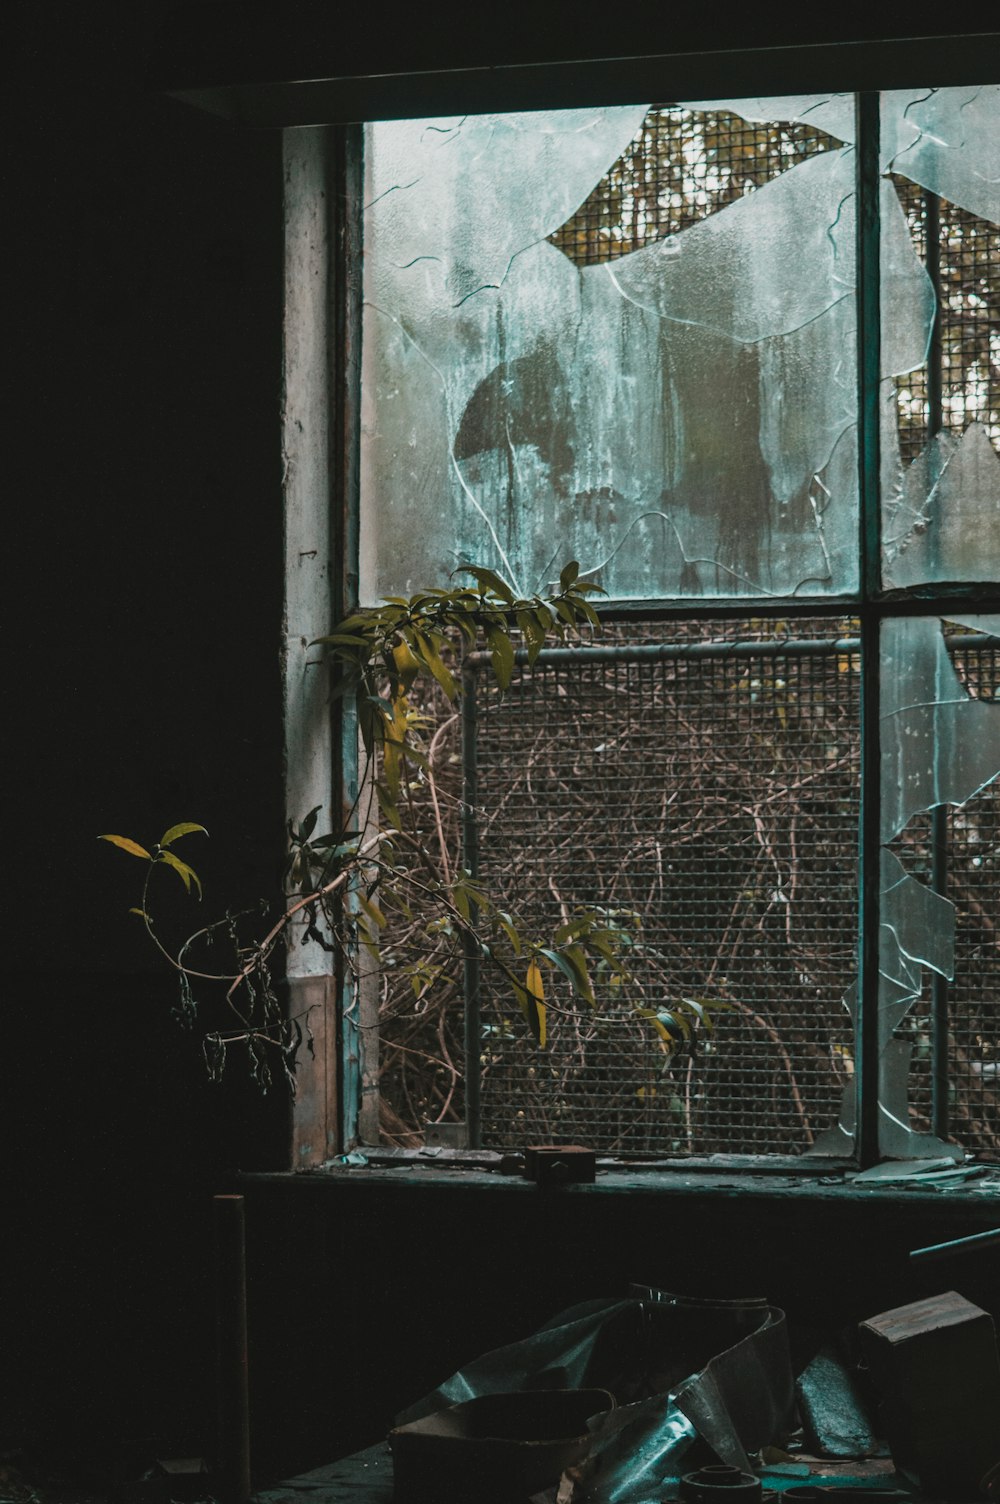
680,420
947,140
833,113
944,522
940,430
939,745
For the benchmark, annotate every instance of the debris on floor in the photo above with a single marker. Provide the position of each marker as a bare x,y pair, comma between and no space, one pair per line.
707,1408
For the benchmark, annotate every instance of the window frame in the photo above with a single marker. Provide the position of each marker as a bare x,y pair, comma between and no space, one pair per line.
337,1106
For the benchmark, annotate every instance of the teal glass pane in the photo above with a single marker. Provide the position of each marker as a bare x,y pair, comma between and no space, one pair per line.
940,798
940,152
625,336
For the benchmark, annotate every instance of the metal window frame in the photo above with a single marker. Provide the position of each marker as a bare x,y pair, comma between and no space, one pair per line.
351,1095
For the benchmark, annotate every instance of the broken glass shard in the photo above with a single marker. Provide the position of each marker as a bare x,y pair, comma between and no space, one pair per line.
939,745
941,509
947,140
832,113
944,519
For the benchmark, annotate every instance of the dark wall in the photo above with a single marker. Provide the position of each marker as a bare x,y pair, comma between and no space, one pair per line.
387,1288
143,619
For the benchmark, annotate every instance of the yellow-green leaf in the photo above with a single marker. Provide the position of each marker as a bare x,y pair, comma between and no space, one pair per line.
186,874
372,910
536,1009
185,828
501,655
488,580
126,845
432,658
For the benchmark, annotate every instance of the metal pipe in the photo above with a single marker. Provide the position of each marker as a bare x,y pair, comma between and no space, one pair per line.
645,651
232,1390
970,1244
640,652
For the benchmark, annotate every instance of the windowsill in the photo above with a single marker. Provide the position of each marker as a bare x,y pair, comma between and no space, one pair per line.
727,1177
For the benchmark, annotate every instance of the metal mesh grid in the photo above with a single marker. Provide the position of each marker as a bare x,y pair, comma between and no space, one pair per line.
963,262
973,997
681,166
714,797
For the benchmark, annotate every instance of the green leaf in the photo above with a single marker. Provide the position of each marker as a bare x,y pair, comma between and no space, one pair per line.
309,823
582,987
187,874
428,651
534,999
176,831
506,923
342,639
672,1027
388,806
501,655
700,1011
559,960
569,574
488,581
125,844
372,910
142,915
347,627
368,941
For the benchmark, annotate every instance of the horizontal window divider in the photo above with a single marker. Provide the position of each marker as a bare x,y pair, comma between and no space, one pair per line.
766,648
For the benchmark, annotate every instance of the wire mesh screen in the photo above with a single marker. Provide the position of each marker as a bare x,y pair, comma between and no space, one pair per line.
962,255
681,166
704,795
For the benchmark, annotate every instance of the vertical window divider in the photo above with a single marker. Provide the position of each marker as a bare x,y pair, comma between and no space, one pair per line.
470,947
359,1047
866,1072
939,818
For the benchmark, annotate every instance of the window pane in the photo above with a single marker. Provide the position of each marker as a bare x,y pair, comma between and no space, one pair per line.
708,796
625,336
941,416
940,753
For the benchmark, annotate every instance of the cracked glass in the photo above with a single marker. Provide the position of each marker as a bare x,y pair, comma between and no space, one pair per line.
940,752
628,336
940,431
681,419
940,756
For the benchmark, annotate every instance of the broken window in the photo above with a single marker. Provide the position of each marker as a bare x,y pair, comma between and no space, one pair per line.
630,336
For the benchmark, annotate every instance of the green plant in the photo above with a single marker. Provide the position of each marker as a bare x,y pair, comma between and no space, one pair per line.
345,887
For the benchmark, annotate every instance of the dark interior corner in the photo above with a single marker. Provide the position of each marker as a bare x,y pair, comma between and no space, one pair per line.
144,487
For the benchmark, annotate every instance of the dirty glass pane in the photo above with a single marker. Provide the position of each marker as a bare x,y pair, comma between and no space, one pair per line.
940,749
680,418
941,408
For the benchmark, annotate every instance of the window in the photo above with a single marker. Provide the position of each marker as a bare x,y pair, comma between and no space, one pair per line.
629,336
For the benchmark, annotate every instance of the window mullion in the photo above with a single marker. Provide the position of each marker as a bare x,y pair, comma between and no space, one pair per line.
869,351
